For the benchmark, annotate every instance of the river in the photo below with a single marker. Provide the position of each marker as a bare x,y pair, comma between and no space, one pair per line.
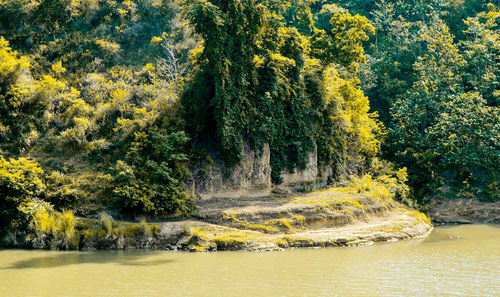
453,261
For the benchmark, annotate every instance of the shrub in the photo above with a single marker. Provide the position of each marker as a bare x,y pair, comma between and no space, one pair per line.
383,187
20,181
151,179
50,229
66,228
42,222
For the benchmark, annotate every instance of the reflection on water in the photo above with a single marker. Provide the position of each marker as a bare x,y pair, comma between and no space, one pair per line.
58,259
441,235
453,261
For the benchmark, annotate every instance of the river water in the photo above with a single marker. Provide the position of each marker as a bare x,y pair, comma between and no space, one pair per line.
452,261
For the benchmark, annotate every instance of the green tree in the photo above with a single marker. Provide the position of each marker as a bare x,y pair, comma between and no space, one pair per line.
341,41
481,50
261,81
442,131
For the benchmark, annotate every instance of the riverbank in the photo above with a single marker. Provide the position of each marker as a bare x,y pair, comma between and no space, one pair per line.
323,218
464,211
360,213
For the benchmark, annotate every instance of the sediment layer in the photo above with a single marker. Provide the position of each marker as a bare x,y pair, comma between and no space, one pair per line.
319,219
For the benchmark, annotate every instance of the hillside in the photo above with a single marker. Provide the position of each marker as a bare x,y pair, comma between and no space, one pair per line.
146,108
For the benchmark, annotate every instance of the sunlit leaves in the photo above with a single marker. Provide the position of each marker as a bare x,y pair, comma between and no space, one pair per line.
443,128
342,41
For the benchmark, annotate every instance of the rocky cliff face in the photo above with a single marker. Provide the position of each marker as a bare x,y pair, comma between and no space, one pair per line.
252,177
299,178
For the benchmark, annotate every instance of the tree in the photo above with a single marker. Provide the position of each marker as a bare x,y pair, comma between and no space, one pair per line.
151,178
481,50
442,130
260,80
341,41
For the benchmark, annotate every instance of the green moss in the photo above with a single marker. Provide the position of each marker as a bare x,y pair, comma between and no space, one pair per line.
300,242
222,238
327,198
241,224
282,243
259,227
347,211
155,230
283,223
197,232
141,229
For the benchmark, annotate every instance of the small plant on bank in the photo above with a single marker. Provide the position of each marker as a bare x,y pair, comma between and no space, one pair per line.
106,222
144,228
66,229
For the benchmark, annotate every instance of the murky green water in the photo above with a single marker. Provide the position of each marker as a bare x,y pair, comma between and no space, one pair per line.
453,261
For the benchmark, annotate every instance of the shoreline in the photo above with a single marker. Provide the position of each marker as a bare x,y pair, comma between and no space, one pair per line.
464,211
323,218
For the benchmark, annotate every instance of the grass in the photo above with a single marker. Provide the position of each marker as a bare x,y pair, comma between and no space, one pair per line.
202,239
299,219
197,233
105,231
327,197
323,199
259,227
106,222
67,228
233,237
283,223
241,224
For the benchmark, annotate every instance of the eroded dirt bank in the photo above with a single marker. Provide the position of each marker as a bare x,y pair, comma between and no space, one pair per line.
464,211
320,219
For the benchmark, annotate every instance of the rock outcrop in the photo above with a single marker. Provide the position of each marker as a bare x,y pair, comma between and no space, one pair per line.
323,218
301,177
318,219
252,176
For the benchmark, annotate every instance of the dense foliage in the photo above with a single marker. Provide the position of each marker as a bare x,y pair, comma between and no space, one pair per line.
91,96
432,74
260,81
104,104
434,79
448,128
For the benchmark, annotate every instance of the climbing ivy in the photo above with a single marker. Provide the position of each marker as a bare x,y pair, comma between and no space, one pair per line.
257,82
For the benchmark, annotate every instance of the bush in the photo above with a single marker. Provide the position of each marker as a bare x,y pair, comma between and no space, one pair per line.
151,180
20,181
42,222
383,187
49,228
